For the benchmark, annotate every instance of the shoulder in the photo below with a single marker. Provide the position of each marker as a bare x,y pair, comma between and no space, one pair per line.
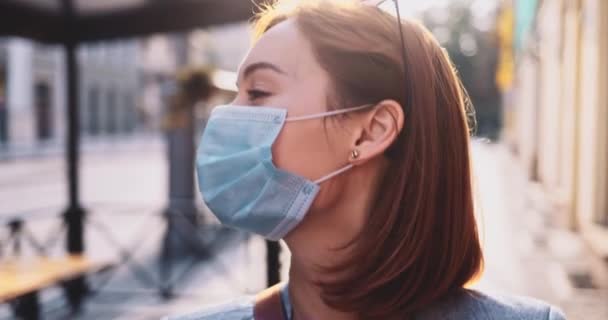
240,309
469,304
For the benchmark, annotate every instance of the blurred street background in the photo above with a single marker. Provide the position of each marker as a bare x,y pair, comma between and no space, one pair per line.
536,72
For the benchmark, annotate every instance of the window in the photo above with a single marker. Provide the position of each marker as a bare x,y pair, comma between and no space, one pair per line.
3,105
112,112
93,111
43,111
129,113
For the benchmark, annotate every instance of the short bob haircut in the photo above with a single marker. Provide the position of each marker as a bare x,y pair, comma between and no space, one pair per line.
420,241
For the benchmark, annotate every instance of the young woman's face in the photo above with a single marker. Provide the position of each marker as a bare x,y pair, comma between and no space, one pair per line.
281,71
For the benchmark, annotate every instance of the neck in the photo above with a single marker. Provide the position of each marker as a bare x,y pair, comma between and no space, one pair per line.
305,296
314,244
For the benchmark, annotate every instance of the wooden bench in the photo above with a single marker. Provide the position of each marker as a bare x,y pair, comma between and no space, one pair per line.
22,278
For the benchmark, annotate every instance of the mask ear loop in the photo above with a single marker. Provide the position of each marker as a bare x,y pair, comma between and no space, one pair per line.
333,174
353,155
327,114
373,3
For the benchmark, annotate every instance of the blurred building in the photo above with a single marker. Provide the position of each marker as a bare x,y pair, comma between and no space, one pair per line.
109,88
3,109
559,113
123,84
161,56
32,92
466,29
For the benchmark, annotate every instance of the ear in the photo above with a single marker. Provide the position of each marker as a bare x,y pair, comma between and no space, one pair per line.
379,129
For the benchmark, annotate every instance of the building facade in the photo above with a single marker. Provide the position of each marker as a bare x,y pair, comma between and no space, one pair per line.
33,100
3,102
560,132
109,88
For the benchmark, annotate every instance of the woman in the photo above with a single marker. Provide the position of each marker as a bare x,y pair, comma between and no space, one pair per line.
348,139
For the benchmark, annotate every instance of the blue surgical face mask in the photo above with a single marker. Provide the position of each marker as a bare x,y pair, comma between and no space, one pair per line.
237,178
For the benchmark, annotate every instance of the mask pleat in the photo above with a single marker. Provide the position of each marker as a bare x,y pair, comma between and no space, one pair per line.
233,200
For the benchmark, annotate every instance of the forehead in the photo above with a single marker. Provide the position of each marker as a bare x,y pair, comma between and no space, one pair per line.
284,46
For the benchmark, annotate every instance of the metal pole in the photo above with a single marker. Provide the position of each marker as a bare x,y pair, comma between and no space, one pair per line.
181,152
76,288
74,214
182,210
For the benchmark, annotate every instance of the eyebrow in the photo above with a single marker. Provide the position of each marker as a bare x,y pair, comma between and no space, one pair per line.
261,65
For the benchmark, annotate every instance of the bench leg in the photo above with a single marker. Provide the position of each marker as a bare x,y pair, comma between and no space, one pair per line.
75,291
26,307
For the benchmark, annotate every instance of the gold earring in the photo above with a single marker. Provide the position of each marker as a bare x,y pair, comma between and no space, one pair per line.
354,154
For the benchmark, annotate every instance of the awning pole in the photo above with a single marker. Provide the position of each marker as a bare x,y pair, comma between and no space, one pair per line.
74,214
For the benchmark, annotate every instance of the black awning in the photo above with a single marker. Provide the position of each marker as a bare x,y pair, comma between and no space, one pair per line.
61,21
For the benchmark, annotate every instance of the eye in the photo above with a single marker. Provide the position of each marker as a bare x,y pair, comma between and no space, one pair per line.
254,94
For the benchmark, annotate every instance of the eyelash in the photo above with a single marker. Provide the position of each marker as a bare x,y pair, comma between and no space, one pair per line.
256,94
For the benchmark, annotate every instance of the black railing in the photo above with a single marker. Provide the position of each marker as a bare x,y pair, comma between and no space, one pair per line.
164,278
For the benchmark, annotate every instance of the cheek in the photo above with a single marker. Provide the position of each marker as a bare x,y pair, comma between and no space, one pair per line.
331,193
301,148
310,149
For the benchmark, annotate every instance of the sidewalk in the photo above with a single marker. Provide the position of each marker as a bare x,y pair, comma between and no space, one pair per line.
526,253
56,148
